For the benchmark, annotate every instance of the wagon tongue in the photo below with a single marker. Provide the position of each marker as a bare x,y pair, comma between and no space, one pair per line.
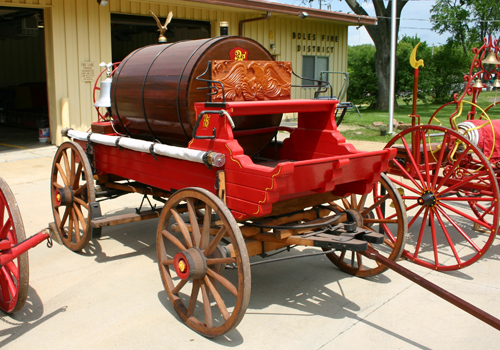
440,292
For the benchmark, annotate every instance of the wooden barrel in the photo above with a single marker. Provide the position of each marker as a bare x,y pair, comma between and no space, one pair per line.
154,90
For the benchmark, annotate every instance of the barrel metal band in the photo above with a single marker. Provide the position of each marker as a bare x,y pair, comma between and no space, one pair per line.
152,151
117,143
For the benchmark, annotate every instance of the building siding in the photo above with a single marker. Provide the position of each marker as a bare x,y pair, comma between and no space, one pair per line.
80,31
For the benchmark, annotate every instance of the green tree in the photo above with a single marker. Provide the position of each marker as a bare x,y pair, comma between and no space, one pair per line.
448,66
406,73
469,21
381,36
363,86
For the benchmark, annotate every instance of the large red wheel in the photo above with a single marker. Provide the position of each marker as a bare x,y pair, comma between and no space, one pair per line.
440,182
72,192
14,275
203,262
382,210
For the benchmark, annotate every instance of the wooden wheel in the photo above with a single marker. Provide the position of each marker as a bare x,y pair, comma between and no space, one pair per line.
14,276
382,210
203,260
441,184
72,191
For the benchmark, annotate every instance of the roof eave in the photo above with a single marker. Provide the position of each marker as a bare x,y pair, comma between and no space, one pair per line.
260,5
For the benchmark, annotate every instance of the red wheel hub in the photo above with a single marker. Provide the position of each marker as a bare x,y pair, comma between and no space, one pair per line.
190,263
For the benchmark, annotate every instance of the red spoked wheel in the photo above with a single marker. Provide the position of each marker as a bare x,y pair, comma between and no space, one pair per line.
203,262
382,210
441,181
14,275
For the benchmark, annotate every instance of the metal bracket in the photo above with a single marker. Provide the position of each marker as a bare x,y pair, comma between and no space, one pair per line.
95,213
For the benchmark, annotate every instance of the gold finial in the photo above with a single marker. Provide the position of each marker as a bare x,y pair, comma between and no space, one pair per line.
413,58
162,28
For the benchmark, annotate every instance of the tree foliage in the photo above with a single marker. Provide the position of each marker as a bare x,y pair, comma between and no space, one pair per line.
405,72
363,84
448,67
439,78
468,21
381,36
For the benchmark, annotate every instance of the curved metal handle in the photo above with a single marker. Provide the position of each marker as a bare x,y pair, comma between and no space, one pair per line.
198,119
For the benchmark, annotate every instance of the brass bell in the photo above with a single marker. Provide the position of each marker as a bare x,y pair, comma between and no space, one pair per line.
491,59
496,84
478,84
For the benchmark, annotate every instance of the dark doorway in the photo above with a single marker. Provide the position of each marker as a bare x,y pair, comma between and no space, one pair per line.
23,81
129,32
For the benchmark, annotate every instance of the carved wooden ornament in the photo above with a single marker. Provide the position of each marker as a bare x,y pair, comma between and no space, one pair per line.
253,80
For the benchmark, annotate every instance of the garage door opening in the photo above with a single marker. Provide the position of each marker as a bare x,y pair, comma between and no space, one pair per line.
129,32
23,81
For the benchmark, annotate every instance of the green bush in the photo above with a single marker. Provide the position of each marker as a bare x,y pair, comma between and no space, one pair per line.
362,78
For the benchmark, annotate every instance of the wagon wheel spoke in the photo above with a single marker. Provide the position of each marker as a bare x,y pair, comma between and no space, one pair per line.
217,297
468,217
56,185
80,189
223,281
62,174
67,211
434,240
439,162
195,275
426,162
6,228
195,229
7,284
193,298
182,226
207,222
346,203
215,261
441,228
452,169
71,195
447,235
381,211
405,186
179,286
413,163
173,239
206,306
215,242
14,274
67,168
71,232
76,225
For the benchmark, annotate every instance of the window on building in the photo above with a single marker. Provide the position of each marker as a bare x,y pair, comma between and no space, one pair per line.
312,66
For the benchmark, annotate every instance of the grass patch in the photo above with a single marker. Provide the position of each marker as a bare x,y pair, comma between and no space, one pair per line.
366,132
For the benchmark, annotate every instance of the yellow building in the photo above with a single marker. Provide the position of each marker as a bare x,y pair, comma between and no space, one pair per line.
50,50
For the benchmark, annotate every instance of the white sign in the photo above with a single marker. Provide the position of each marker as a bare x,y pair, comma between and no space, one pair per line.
87,72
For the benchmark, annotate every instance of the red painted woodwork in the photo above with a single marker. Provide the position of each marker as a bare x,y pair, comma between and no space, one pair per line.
314,159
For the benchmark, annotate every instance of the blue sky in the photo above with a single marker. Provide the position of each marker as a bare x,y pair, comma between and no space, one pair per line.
414,20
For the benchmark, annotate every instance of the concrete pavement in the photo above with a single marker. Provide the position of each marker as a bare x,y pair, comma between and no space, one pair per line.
111,297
